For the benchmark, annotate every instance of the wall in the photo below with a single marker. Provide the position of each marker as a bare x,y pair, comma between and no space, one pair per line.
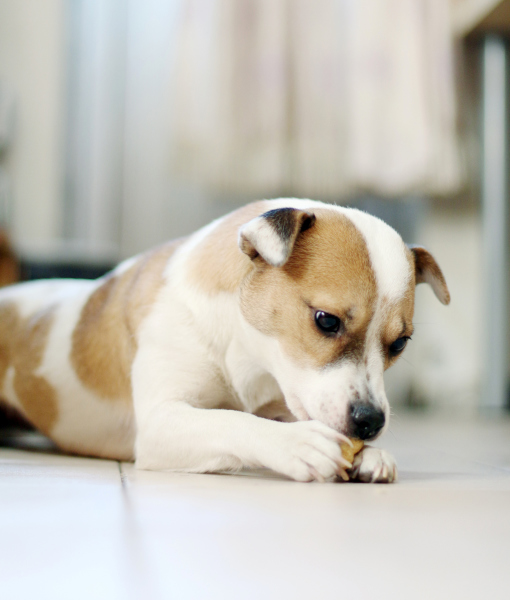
32,66
126,196
442,366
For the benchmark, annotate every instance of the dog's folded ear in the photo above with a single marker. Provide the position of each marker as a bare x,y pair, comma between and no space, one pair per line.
272,235
427,271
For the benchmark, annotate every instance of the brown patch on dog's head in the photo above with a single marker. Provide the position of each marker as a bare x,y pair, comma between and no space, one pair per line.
217,265
272,235
328,270
22,346
105,339
397,319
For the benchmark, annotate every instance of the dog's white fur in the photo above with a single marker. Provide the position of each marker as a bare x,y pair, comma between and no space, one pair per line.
196,350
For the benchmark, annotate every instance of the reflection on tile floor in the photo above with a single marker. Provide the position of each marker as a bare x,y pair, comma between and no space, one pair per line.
75,528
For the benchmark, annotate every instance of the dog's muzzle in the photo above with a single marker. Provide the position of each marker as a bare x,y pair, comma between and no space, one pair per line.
366,421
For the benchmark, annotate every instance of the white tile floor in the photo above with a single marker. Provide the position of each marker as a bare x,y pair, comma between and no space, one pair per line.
73,528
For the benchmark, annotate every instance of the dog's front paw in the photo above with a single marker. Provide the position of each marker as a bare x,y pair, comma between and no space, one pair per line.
373,465
306,451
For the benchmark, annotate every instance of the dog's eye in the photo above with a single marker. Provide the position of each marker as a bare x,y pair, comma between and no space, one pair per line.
398,345
326,322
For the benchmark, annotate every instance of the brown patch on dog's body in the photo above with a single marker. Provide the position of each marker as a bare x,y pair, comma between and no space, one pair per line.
329,270
217,264
105,339
22,345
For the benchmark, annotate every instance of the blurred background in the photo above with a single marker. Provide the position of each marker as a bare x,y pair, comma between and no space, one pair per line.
124,123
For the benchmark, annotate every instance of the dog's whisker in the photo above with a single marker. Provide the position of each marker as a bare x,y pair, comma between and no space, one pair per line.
392,434
407,362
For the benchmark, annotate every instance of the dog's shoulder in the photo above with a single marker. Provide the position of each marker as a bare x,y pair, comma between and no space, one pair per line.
104,339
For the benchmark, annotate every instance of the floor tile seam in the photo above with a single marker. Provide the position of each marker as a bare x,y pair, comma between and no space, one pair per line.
141,568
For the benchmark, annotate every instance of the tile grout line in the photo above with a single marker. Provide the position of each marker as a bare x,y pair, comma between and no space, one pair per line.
144,585
123,478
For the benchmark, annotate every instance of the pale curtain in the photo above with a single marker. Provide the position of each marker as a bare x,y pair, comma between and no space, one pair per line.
321,98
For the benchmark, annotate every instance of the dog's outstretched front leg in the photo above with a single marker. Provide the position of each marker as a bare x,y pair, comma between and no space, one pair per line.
175,433
177,436
373,465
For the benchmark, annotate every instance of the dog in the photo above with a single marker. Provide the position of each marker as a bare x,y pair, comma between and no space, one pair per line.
258,341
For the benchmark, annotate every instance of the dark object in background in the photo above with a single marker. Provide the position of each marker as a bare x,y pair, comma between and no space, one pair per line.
9,265
30,270
11,418
16,432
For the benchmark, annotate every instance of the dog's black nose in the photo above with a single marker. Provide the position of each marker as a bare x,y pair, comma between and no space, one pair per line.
366,420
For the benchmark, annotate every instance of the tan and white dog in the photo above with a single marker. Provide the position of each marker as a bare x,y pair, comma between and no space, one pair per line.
279,319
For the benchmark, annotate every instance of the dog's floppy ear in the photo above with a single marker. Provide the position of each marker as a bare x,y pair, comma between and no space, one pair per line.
427,271
272,235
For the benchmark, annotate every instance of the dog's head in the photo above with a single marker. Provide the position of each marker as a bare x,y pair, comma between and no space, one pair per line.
333,289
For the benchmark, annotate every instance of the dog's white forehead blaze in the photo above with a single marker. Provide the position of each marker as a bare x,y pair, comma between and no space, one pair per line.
387,254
